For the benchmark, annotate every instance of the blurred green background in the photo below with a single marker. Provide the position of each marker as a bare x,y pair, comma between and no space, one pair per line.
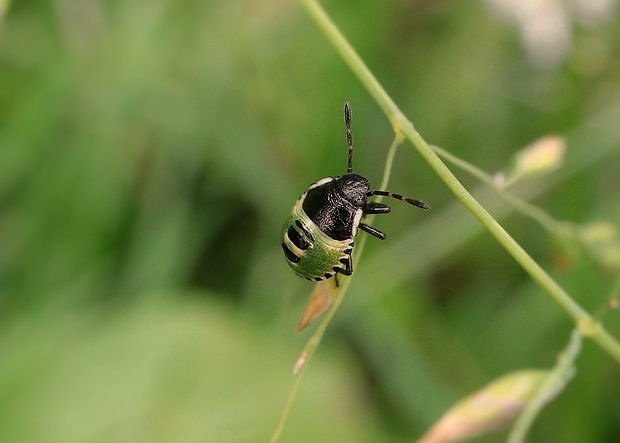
150,150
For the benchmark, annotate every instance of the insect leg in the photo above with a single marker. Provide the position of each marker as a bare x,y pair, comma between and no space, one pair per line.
348,263
372,231
375,208
411,201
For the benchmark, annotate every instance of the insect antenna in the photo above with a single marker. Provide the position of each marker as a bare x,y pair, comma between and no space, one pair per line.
411,201
347,121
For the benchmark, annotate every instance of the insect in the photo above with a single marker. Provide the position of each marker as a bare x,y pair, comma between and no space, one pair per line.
318,235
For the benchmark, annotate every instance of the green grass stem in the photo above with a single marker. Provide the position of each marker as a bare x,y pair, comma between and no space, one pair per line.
587,325
315,340
557,379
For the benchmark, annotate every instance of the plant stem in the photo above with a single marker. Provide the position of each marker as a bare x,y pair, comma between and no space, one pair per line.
586,324
316,338
555,382
552,225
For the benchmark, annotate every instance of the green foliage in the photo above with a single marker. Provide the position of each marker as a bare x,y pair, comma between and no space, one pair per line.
149,152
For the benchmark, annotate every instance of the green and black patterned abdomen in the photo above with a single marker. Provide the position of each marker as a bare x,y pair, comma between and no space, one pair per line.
310,252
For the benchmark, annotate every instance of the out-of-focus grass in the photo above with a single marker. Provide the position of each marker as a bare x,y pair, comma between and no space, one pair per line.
163,372
149,152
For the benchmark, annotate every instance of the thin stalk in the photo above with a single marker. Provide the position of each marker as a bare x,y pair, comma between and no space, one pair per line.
316,338
389,162
586,324
555,382
552,225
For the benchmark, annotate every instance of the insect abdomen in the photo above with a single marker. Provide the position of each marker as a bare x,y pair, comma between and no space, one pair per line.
311,253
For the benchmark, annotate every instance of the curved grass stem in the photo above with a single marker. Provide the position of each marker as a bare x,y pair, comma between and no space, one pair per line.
552,225
586,324
557,379
316,338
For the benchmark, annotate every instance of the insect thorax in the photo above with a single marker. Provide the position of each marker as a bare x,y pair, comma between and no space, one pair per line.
334,204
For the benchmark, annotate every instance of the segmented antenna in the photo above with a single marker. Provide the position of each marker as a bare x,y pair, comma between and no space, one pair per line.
412,201
347,121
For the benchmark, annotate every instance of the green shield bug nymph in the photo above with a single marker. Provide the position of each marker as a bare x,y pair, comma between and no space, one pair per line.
317,237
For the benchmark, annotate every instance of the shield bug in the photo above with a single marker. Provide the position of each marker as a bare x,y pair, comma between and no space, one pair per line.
318,235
